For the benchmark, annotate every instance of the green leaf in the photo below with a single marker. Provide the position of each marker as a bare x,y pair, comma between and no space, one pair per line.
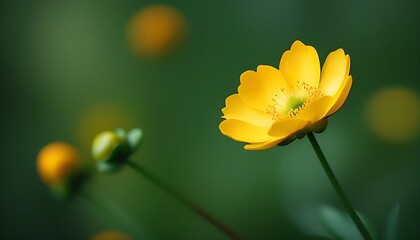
134,137
318,238
340,225
120,133
107,167
391,223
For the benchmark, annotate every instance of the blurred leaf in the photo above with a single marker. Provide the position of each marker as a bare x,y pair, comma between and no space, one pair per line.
392,223
134,138
340,225
319,238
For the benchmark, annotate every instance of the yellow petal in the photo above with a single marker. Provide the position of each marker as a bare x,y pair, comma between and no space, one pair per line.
258,88
262,145
341,96
334,72
244,132
236,108
286,127
301,64
316,109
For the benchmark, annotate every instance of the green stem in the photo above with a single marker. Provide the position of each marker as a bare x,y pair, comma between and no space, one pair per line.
183,200
111,210
356,219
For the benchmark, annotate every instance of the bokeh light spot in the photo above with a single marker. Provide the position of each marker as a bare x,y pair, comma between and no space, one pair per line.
156,29
111,235
393,114
99,118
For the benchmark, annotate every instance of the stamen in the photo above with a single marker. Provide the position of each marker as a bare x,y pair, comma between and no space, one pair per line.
292,102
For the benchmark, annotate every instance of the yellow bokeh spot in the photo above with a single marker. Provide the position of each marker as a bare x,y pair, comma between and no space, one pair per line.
56,162
99,118
156,29
393,114
111,235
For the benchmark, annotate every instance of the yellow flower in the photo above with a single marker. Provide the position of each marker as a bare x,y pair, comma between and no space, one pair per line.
275,106
57,162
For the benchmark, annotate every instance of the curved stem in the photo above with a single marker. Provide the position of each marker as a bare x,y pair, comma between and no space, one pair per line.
183,200
356,219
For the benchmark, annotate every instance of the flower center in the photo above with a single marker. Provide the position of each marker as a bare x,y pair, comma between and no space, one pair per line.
289,102
294,103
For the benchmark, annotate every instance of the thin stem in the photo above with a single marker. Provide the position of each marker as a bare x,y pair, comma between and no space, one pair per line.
111,210
183,200
356,219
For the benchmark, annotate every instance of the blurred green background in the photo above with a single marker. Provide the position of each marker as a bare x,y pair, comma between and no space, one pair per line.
67,71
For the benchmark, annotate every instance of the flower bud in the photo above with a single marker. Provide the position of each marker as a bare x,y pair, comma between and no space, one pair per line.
104,144
57,164
112,148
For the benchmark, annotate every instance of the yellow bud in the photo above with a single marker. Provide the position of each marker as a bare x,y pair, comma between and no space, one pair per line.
104,143
56,162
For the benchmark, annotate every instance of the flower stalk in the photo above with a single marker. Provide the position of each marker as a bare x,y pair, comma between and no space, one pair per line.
111,209
356,219
183,200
